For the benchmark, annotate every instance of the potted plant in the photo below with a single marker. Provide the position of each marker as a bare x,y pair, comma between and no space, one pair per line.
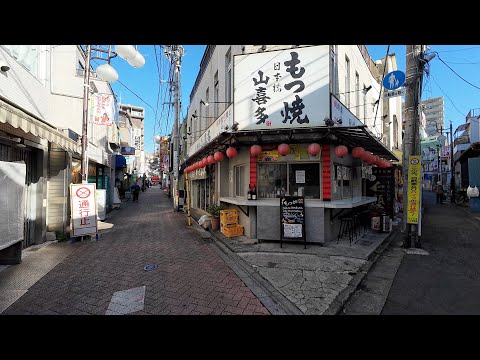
214,211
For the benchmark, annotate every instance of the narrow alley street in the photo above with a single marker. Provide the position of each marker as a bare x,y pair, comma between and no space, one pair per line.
113,276
447,281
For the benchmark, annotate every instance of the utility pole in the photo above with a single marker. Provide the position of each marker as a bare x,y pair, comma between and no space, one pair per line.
411,142
176,53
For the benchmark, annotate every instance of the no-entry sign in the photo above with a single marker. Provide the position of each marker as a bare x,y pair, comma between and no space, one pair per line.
84,209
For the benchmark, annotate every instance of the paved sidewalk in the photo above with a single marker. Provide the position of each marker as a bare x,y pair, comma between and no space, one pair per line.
317,280
148,262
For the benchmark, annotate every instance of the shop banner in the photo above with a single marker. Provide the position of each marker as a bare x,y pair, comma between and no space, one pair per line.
101,109
414,189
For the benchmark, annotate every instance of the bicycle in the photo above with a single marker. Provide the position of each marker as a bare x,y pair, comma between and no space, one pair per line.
460,197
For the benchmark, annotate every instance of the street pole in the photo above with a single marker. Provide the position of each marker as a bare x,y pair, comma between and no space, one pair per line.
86,88
177,51
452,164
411,142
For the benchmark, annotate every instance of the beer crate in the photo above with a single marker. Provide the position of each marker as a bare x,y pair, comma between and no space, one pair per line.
231,230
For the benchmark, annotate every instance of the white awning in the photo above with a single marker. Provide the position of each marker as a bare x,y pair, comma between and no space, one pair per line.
28,124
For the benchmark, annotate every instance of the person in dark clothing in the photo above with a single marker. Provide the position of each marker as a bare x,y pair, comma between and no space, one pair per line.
438,189
135,191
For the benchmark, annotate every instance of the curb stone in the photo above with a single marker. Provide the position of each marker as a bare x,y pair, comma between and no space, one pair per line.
275,302
337,305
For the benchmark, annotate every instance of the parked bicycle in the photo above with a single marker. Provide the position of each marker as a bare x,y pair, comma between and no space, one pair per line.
460,197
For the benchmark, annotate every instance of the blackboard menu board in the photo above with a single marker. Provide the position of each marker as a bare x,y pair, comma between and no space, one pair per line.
383,187
292,218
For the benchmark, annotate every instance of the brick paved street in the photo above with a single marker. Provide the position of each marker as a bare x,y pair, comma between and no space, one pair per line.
191,278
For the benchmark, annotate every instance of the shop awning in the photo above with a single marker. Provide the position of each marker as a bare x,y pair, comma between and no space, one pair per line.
350,136
120,162
28,124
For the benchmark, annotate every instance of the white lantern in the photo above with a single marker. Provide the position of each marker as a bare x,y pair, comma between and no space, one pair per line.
138,61
107,73
126,51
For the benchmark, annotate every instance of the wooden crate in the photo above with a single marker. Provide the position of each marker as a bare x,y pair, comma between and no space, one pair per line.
232,230
229,216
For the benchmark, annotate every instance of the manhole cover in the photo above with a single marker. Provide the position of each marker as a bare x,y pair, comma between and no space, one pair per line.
150,267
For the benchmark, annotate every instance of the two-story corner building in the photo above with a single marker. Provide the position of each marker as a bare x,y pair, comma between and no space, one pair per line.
27,139
67,70
306,108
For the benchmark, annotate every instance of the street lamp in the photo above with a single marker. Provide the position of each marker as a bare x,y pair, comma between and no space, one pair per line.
107,73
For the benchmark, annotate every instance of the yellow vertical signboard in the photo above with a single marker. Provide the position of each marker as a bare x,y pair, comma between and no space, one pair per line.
414,189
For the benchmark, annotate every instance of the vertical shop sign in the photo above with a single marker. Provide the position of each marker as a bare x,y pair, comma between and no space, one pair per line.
414,189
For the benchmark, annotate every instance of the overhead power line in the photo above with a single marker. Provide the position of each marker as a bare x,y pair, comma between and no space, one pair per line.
468,82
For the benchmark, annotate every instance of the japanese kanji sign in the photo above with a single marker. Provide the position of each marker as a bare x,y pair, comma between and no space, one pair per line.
101,110
414,189
282,89
84,209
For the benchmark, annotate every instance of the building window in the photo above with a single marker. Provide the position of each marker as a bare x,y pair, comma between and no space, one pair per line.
207,109
304,180
343,178
333,73
215,95
364,105
357,95
271,180
347,82
296,179
27,55
228,76
240,183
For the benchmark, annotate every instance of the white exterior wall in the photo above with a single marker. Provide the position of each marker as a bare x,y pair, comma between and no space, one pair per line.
66,98
474,130
357,64
217,63
20,87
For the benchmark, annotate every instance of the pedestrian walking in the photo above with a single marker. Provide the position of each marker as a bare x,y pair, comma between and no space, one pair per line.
438,189
135,191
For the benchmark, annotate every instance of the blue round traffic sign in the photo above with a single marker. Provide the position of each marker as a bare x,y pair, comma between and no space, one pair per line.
393,80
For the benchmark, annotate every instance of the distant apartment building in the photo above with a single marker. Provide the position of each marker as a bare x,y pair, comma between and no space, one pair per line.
131,124
434,112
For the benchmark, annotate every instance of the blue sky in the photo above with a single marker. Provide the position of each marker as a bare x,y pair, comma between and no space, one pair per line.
464,59
460,97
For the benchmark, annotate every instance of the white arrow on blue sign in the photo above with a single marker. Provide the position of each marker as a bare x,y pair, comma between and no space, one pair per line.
393,80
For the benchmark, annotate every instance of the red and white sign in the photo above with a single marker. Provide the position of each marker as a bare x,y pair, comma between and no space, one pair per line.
84,209
101,109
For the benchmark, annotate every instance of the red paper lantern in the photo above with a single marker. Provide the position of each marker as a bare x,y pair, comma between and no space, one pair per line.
341,151
377,160
357,152
186,170
283,149
210,160
255,150
232,152
371,159
314,149
199,164
204,162
365,155
218,156
387,163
